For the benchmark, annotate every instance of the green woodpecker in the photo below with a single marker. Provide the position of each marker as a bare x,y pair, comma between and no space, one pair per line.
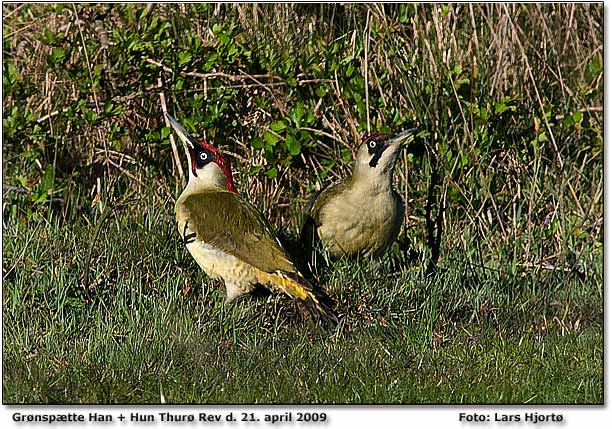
361,215
229,238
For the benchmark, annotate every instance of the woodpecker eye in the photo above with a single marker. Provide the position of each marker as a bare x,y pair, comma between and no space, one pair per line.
372,144
201,157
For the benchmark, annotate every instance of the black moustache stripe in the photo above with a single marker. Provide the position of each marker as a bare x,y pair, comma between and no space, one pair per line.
377,155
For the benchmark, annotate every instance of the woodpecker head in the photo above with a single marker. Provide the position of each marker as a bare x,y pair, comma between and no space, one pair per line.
378,152
208,166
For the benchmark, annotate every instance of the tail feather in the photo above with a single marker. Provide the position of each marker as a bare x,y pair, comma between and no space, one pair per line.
317,302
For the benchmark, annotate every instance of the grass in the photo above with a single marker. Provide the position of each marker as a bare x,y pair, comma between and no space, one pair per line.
102,303
155,327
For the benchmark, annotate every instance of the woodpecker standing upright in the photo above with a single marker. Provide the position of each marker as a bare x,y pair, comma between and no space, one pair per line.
361,215
229,238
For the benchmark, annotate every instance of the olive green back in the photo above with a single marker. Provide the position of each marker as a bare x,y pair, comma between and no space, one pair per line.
229,223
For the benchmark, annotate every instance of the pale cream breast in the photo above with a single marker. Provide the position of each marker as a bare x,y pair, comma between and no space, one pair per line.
221,265
358,221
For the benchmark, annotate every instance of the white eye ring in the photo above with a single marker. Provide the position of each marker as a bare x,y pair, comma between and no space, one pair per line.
203,156
372,144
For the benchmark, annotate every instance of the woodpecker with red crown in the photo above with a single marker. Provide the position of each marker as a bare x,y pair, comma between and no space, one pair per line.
229,238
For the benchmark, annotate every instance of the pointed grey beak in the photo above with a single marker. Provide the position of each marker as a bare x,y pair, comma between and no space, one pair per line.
402,136
181,132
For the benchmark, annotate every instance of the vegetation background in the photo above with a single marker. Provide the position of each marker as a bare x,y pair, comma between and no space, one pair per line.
493,295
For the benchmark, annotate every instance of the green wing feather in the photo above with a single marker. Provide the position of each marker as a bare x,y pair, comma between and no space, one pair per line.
320,198
229,223
308,236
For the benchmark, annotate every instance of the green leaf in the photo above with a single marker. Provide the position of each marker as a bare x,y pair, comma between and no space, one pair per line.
179,83
272,173
310,118
278,126
500,107
91,116
270,139
57,55
349,70
298,113
210,62
449,156
108,107
257,143
97,70
255,169
346,154
39,197
12,75
232,51
49,36
22,180
542,138
184,58
223,38
463,81
47,181
293,145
